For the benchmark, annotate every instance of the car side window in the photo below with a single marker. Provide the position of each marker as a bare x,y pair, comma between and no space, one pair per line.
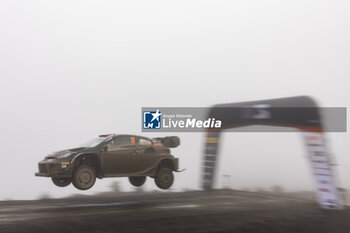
144,142
120,142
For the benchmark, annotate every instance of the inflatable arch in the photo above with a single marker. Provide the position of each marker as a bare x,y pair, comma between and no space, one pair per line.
298,112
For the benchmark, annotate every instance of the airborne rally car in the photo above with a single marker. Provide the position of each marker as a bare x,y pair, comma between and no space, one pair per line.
113,155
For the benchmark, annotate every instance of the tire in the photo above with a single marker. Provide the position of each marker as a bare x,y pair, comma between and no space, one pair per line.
137,180
61,182
84,177
164,178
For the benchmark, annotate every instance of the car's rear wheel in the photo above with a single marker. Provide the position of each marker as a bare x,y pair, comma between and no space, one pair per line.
137,180
61,182
84,177
164,178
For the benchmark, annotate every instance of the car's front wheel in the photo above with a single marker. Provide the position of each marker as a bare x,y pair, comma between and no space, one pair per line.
84,177
61,182
164,178
137,180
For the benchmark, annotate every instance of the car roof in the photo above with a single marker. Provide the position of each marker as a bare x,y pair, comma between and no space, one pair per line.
125,135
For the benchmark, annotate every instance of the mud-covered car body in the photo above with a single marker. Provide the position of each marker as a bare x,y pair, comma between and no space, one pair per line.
111,156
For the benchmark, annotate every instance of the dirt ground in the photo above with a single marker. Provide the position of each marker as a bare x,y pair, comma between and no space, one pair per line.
195,211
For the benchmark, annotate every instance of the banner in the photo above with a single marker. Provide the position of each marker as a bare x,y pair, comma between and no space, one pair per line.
321,165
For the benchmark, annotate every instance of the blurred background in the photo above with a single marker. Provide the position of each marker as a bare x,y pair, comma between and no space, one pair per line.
71,70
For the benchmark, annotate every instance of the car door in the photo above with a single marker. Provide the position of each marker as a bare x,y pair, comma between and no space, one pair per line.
120,157
148,157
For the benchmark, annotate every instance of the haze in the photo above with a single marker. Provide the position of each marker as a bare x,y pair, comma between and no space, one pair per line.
71,70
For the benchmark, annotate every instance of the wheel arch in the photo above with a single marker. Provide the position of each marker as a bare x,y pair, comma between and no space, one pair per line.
166,162
91,159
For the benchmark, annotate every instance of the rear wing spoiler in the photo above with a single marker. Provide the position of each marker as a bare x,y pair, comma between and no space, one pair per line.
170,141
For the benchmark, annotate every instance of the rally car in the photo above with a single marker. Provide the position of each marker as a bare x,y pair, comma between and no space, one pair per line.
111,155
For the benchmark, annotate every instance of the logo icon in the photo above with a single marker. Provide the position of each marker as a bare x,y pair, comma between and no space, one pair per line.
152,119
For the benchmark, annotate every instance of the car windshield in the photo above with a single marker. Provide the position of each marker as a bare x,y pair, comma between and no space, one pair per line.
93,142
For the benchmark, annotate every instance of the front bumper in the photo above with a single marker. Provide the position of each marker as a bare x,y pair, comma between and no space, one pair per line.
54,168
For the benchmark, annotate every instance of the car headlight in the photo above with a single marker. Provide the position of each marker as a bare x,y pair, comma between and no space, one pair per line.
64,155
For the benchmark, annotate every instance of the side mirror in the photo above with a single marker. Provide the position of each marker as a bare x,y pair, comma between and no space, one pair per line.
105,148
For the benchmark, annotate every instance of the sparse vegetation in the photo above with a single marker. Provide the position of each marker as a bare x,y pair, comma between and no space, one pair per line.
277,189
44,196
115,187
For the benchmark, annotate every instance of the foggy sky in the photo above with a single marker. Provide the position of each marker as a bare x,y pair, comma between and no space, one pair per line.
71,70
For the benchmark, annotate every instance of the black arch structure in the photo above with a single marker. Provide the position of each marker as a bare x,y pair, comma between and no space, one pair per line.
299,112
